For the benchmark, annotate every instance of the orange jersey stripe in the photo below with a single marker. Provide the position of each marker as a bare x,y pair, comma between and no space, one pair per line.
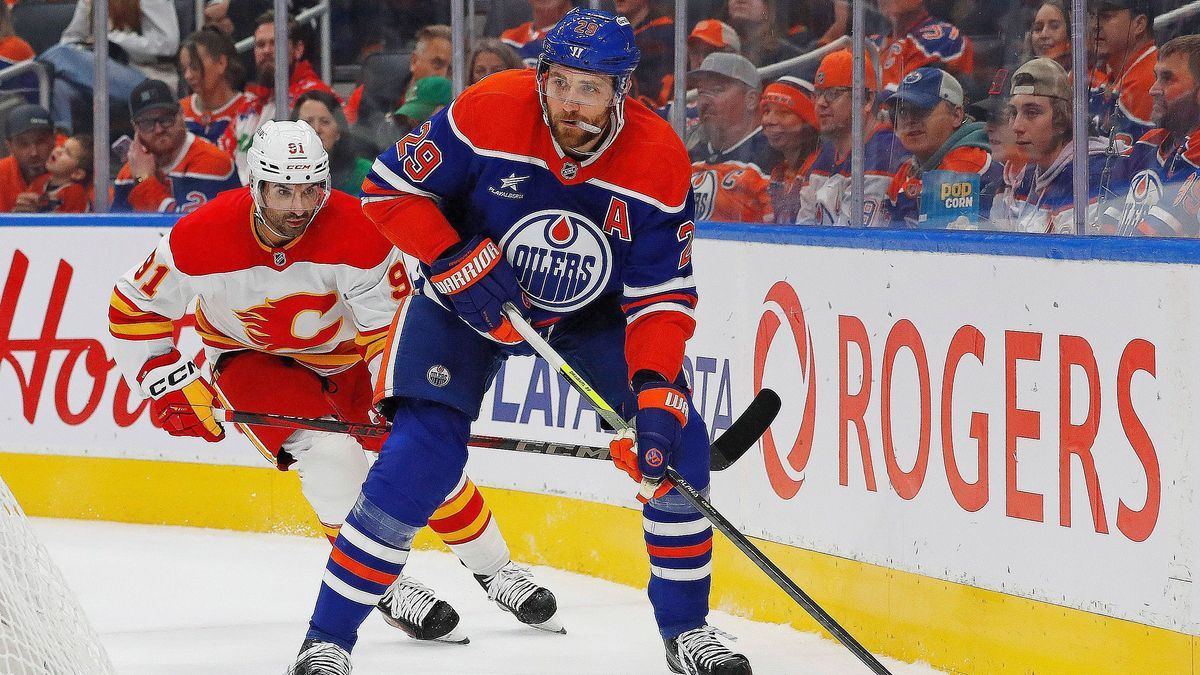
679,551
354,567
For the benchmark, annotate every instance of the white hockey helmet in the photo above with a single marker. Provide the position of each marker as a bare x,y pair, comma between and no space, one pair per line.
290,153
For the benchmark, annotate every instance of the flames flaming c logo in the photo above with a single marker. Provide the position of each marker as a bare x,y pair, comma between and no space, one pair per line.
272,325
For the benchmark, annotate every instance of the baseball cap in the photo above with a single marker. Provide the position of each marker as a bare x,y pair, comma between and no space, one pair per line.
835,71
794,94
427,94
718,34
1135,7
925,87
151,95
988,108
1042,77
26,117
734,66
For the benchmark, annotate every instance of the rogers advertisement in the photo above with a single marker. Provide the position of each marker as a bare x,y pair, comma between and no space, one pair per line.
1013,423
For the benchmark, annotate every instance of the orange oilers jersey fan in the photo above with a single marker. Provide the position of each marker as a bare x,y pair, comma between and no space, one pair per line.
200,171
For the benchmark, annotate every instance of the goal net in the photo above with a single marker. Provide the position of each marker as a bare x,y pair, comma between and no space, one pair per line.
43,630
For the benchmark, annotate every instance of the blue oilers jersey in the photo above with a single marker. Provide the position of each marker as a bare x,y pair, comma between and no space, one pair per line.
618,223
1154,188
826,200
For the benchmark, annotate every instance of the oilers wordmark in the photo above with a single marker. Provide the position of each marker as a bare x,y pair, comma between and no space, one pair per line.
562,259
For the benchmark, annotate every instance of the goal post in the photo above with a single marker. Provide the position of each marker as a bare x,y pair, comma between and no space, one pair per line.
43,629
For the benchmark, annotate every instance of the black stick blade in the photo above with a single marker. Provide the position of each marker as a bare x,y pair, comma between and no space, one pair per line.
746,430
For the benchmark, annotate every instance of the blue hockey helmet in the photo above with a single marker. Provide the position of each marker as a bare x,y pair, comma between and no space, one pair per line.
592,40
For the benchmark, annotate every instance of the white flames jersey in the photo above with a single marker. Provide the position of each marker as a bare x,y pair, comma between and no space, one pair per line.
325,299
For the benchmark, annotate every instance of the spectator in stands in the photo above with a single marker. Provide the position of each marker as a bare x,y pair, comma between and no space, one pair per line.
261,107
730,167
1042,201
708,37
828,198
429,95
491,56
992,110
30,137
13,50
757,23
1050,33
654,31
1122,35
947,151
711,36
789,123
143,38
917,40
66,185
1164,166
211,68
170,169
302,76
324,114
431,56
526,39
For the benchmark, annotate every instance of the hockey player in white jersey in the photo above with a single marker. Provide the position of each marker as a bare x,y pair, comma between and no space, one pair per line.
294,290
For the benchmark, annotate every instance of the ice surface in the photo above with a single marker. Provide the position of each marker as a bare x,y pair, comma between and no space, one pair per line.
184,601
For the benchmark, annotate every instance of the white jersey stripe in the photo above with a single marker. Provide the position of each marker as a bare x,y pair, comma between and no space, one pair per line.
675,529
371,547
395,181
389,365
659,307
671,574
349,592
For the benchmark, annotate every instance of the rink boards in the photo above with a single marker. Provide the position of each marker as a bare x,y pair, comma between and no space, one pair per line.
984,459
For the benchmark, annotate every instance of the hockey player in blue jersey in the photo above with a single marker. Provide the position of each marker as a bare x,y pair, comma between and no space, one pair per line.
549,189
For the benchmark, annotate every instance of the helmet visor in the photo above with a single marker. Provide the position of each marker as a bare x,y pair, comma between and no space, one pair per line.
294,197
578,87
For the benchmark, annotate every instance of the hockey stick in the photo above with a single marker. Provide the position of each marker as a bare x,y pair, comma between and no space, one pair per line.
726,450
697,500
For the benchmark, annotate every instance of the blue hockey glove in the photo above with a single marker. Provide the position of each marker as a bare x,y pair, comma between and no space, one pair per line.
478,280
662,414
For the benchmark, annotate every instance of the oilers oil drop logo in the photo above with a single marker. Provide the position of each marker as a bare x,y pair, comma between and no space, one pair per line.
562,259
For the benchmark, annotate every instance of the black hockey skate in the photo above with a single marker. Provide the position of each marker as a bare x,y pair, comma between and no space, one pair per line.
320,658
698,652
514,589
413,608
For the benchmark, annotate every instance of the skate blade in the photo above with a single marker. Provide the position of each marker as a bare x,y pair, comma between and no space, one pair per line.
551,625
454,637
